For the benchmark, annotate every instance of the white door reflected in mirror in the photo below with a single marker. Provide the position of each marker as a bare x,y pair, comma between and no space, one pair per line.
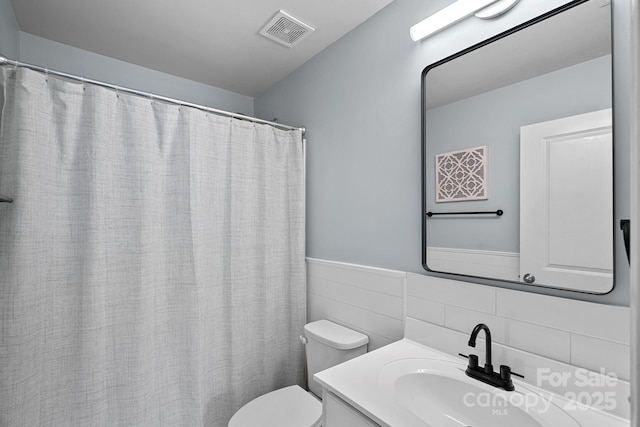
566,193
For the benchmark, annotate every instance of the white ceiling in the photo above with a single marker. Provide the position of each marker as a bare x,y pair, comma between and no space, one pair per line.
210,41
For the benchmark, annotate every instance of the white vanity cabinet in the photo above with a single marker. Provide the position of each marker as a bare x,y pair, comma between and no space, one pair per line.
338,413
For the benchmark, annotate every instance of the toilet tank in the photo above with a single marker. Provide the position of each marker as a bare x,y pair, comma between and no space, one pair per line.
329,344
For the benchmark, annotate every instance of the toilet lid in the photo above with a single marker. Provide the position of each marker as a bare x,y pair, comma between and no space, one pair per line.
286,407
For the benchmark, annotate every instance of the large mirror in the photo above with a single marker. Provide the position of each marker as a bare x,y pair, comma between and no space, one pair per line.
517,154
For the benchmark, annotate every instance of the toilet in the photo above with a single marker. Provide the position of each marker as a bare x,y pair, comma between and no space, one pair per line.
327,344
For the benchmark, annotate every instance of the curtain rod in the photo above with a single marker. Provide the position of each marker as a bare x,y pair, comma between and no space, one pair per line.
5,61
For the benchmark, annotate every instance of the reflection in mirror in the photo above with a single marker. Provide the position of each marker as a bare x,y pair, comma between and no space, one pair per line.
522,123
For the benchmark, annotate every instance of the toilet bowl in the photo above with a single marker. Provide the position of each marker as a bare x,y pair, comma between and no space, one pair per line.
327,344
285,407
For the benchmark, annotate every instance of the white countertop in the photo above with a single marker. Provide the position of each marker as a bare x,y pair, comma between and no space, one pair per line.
357,383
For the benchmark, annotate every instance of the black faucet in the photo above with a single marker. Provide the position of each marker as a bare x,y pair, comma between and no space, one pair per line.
488,367
502,379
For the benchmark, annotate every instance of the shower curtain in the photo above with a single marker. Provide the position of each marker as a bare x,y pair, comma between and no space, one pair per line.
152,263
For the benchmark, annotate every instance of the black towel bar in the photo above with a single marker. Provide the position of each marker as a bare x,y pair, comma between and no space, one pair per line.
499,212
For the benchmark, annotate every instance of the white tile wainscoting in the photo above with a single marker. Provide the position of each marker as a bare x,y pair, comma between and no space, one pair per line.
369,300
501,265
528,329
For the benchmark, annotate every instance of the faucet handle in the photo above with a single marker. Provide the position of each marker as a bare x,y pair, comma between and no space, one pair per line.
506,372
473,361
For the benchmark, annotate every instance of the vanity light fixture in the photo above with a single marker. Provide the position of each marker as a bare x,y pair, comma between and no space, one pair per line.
457,11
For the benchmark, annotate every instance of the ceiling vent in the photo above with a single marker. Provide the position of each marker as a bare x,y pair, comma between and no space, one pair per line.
286,30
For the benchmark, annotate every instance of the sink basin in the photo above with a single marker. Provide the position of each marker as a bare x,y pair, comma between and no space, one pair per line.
439,393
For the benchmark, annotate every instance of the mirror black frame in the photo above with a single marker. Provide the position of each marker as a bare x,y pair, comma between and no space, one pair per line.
425,216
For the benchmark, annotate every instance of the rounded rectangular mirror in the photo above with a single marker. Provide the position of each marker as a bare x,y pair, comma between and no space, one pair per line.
517,154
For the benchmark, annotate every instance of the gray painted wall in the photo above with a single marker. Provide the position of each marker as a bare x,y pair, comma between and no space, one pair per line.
9,32
58,56
360,101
